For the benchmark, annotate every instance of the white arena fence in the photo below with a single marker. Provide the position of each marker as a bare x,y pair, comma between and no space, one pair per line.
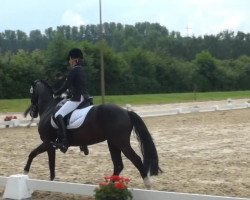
18,187
175,111
195,109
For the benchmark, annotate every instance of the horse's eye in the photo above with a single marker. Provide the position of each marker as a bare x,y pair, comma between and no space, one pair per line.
31,90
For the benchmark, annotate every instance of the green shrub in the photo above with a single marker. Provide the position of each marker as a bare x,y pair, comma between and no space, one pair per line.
114,188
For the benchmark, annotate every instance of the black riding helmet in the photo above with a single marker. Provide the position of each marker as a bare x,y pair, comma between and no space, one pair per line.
75,53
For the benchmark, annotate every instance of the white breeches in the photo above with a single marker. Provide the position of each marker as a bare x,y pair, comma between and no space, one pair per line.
68,107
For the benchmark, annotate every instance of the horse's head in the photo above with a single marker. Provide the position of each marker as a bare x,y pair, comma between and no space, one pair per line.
40,92
34,100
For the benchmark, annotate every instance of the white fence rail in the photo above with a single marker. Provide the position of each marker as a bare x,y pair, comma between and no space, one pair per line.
19,187
161,112
195,109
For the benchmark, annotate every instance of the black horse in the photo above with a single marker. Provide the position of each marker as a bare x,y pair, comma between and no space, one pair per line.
103,122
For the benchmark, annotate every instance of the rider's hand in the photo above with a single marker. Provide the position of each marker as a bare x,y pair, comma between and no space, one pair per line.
64,96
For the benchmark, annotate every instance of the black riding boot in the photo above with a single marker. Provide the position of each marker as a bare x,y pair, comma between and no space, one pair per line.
63,132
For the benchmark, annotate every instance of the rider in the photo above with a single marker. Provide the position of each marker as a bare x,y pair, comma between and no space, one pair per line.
76,82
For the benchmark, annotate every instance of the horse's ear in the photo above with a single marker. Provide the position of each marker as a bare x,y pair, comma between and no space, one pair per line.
34,82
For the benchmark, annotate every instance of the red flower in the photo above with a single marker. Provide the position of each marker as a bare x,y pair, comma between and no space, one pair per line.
126,180
115,178
120,185
114,186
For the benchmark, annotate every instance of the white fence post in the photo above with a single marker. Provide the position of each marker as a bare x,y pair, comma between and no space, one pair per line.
16,188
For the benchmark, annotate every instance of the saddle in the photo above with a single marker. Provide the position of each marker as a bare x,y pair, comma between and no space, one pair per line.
75,118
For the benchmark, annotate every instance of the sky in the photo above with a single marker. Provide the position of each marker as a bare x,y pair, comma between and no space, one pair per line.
189,17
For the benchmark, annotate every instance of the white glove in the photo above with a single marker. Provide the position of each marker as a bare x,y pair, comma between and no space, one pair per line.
64,95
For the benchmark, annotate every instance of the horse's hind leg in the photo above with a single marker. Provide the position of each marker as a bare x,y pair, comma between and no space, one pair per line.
116,158
136,160
40,149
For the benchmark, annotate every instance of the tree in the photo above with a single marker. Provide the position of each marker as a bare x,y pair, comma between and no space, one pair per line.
242,69
117,73
56,55
36,40
75,34
49,33
206,71
143,68
19,70
10,40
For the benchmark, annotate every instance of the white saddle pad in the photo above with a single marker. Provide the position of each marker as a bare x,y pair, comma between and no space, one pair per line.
76,119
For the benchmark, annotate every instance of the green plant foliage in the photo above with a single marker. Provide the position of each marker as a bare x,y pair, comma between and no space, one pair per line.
142,58
114,188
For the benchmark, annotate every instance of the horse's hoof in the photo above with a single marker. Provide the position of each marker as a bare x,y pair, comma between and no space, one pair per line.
25,172
147,183
56,179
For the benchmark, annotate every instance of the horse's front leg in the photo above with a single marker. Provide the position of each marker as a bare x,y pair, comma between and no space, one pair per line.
40,149
52,157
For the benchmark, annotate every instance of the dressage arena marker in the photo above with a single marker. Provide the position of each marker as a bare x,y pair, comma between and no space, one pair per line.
18,187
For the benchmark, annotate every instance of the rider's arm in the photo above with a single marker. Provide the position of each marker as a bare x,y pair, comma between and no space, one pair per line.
65,85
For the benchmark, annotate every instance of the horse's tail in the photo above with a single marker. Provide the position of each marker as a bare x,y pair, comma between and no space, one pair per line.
148,149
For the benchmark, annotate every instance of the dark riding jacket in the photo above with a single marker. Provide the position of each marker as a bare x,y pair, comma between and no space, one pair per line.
76,83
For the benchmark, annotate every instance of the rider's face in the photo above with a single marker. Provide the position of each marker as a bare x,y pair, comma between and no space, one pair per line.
72,62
